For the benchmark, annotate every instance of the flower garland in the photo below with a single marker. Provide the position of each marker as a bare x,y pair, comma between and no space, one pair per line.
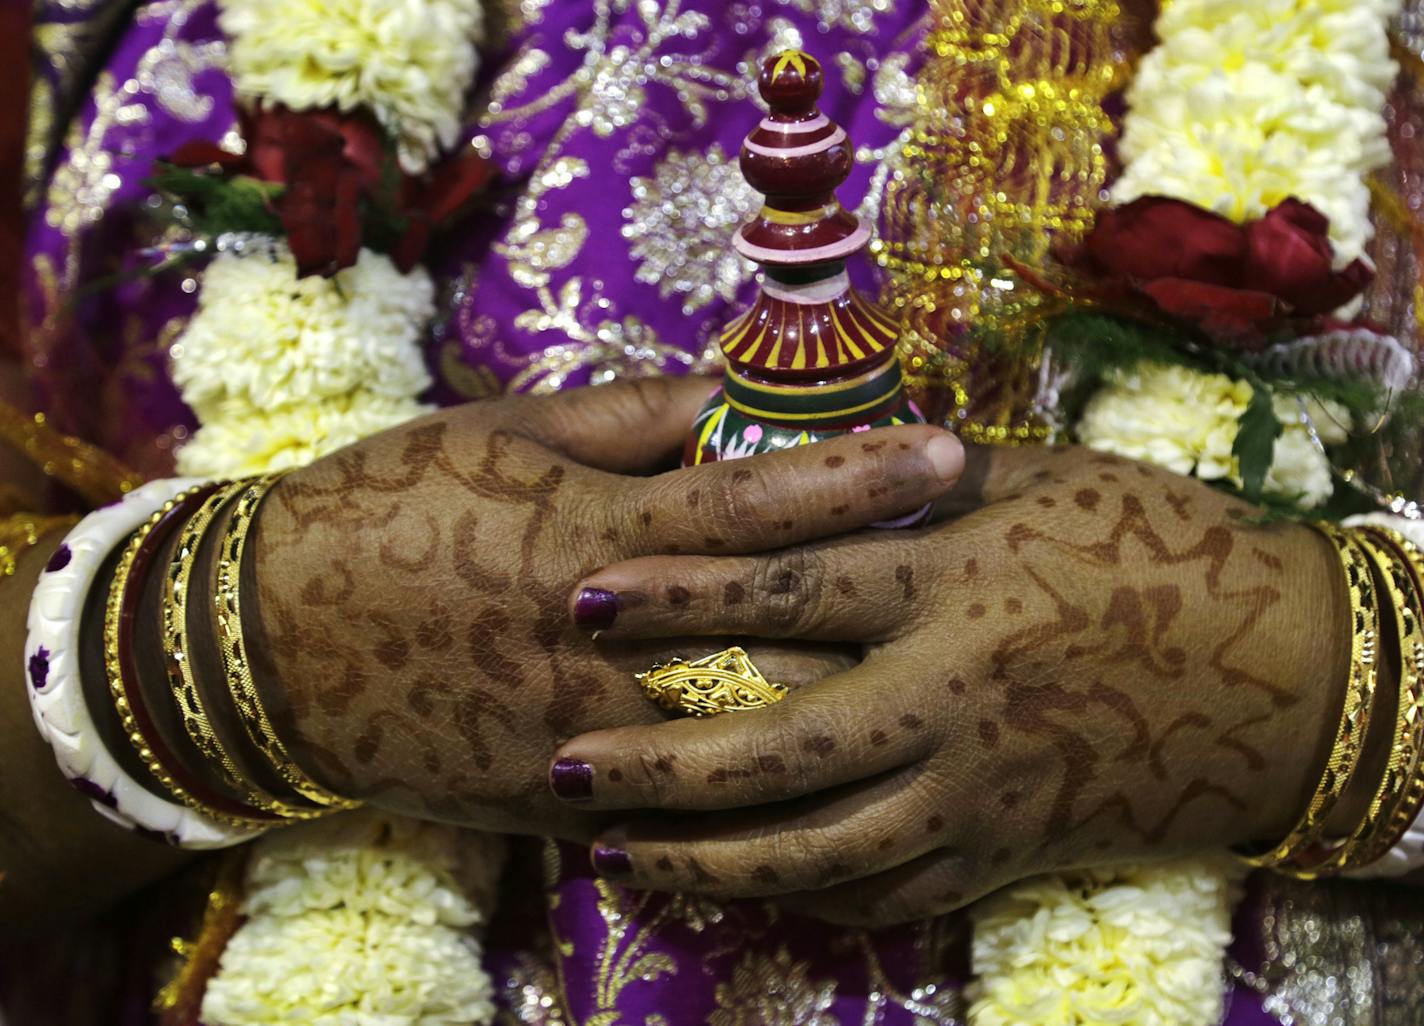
282,370
306,339
362,918
1140,946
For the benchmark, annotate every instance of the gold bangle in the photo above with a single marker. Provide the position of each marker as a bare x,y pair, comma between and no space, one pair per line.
1402,792
192,710
129,704
237,670
1360,847
1355,712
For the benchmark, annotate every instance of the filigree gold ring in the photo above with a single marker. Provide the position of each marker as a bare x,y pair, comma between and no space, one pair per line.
726,681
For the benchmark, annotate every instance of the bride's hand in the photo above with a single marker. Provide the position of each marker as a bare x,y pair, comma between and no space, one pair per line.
410,589
1105,662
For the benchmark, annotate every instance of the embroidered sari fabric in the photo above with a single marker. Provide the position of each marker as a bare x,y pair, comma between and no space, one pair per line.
616,125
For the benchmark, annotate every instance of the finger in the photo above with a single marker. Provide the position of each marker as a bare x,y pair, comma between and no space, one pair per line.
938,882
859,588
787,497
625,427
816,842
817,738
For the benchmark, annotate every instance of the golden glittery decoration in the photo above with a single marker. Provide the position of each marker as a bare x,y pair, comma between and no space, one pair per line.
180,1000
1004,158
81,467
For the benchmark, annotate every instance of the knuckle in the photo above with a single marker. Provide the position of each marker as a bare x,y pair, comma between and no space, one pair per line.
655,779
653,396
740,498
813,857
782,583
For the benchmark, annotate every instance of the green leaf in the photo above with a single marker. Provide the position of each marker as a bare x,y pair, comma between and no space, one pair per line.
219,204
1256,434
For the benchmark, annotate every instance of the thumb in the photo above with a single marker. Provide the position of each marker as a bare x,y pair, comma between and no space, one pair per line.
626,427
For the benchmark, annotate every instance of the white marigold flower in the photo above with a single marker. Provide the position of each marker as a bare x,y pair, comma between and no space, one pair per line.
360,920
263,337
1169,416
409,61
240,440
1186,421
1140,946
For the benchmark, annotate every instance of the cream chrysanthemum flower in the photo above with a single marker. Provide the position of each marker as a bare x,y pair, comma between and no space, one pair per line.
1244,105
409,62
1186,421
1169,416
362,919
282,370
240,440
1136,947
265,337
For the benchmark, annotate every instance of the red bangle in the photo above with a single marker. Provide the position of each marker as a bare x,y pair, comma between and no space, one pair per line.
118,645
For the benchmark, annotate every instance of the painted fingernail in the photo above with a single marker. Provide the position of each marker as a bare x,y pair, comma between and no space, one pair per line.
946,455
572,780
611,861
595,609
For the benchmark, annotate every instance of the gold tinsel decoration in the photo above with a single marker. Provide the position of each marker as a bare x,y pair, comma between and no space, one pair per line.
1005,159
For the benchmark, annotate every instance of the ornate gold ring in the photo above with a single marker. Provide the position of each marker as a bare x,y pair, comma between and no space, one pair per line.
725,681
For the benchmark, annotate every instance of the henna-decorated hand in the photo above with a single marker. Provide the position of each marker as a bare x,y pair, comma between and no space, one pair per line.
410,589
1104,662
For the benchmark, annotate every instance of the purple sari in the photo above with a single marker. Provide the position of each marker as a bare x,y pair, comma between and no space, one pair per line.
619,123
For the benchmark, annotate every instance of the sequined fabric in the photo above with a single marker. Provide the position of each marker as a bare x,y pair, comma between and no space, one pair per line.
1332,954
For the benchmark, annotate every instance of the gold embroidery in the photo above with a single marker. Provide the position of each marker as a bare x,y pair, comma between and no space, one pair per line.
774,992
622,960
680,223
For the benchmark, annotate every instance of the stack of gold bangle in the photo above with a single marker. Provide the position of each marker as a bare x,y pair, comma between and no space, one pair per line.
1380,565
218,777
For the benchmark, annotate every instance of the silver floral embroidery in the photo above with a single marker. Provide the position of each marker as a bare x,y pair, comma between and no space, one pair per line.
856,15
680,222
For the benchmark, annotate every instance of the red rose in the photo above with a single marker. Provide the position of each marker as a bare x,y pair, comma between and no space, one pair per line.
336,172
1155,237
1238,283
1291,257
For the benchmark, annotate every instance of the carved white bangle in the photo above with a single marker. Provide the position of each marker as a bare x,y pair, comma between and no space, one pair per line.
1408,854
52,670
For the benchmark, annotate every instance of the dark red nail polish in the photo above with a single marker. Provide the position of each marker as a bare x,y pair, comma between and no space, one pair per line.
596,609
611,861
572,780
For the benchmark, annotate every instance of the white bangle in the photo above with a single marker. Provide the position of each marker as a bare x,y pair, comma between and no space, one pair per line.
52,672
1408,854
